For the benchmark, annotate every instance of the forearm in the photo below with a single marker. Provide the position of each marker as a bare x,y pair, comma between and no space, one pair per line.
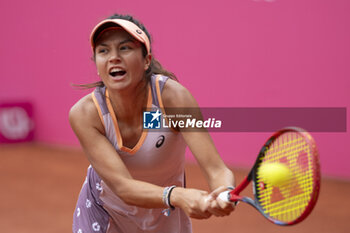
147,195
138,193
223,177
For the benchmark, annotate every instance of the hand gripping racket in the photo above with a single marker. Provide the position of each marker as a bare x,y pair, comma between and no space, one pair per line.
293,201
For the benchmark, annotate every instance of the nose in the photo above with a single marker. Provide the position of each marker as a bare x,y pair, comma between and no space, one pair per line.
114,56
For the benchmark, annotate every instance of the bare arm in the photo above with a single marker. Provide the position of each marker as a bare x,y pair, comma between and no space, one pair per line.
87,125
218,175
200,142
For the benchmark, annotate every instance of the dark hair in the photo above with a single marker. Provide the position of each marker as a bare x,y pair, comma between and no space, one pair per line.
155,66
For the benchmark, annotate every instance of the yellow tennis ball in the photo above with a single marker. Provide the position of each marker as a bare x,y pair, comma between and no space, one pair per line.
276,174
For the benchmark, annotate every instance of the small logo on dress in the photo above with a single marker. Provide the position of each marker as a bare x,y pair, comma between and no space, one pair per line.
152,120
96,226
88,203
98,187
160,141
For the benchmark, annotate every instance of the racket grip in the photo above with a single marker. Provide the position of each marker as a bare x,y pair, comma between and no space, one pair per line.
225,196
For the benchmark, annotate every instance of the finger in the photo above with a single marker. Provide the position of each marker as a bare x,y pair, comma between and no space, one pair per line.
207,214
224,204
219,212
216,210
201,215
214,194
208,199
203,192
216,213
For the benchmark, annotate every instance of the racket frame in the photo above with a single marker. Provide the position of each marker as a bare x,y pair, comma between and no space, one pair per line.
233,196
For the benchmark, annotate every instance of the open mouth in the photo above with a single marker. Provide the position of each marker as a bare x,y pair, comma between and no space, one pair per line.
116,72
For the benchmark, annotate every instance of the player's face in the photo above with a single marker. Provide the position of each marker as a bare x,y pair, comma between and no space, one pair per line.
119,60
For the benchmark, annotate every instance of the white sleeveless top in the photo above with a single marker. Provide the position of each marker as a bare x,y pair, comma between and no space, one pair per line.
157,158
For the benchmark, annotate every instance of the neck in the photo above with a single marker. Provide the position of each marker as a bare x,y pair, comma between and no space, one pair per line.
128,105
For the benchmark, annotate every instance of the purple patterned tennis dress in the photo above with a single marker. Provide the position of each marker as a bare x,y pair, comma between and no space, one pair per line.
158,158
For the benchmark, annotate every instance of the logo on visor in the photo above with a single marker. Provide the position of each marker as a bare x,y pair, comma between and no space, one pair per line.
138,31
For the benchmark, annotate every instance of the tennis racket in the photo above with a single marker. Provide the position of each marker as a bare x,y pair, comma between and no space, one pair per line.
294,200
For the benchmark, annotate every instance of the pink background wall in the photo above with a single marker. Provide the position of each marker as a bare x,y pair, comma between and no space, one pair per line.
232,53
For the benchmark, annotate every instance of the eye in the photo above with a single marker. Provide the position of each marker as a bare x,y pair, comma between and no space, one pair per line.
129,45
102,50
125,47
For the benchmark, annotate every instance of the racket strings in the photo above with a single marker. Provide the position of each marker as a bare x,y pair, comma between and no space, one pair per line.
287,202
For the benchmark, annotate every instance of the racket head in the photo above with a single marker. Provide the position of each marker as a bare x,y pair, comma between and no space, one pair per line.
293,201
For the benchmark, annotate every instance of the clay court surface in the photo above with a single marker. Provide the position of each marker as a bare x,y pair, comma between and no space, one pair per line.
40,185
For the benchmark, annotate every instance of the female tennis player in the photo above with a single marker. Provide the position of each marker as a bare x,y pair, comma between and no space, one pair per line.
136,181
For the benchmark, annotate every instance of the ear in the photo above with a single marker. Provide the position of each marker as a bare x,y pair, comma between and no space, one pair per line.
148,60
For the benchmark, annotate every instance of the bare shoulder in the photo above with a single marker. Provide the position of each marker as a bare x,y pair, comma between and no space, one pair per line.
176,95
82,109
84,114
